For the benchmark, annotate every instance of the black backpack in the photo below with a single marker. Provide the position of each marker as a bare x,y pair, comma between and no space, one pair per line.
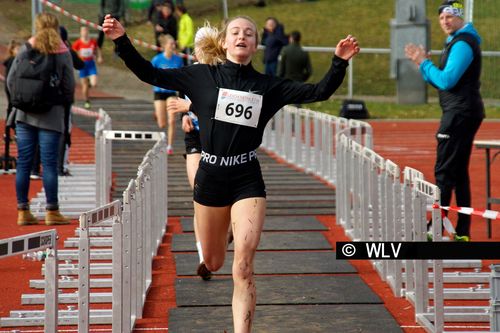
36,84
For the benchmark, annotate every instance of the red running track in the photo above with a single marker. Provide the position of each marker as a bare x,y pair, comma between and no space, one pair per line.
407,143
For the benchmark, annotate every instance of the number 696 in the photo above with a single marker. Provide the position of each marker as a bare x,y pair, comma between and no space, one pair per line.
238,110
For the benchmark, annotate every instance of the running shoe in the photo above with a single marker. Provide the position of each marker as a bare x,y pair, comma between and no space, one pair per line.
458,238
65,173
170,151
203,272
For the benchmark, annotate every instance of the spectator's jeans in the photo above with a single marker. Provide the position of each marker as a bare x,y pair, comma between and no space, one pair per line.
271,68
28,137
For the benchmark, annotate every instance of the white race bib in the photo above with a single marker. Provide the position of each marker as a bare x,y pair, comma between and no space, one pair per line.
238,107
87,52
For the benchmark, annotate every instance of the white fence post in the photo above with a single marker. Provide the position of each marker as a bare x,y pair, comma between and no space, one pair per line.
40,241
434,322
495,298
111,211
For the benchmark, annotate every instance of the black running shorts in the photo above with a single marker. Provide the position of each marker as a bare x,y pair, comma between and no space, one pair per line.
220,186
192,142
162,96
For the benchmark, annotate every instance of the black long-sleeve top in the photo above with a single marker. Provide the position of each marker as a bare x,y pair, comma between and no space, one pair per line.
202,82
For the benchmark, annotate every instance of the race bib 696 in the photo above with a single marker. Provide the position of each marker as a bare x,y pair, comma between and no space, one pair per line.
238,107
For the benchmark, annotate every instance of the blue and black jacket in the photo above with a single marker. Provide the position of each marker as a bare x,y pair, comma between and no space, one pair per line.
458,76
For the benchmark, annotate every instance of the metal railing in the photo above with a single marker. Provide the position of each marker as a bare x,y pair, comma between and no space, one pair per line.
104,151
90,219
38,241
495,298
306,139
375,204
102,158
431,318
130,233
135,237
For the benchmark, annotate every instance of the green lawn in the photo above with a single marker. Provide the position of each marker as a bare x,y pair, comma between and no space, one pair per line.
322,23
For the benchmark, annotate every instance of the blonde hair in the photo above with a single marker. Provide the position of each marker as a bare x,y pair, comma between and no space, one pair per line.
164,39
207,47
47,38
245,17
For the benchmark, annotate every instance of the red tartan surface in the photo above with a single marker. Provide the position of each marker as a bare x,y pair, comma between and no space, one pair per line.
407,143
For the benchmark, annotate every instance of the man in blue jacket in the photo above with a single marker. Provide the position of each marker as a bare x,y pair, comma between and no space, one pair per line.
457,79
274,39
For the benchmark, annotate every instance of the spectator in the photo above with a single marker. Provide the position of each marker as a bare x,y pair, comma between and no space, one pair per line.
113,7
88,51
155,8
294,62
77,62
65,142
185,37
273,38
166,59
42,128
165,23
12,49
458,80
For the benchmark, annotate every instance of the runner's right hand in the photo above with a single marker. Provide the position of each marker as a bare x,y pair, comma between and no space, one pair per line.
112,27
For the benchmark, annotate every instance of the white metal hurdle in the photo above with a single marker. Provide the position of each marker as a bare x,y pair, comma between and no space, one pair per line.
431,318
102,158
373,204
306,139
88,219
143,218
136,239
133,243
37,241
495,298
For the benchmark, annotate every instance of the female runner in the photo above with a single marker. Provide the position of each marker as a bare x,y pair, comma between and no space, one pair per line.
233,102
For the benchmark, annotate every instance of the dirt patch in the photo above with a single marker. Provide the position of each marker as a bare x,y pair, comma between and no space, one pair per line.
123,83
6,30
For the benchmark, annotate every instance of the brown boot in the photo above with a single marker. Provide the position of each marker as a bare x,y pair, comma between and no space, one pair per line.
24,217
54,217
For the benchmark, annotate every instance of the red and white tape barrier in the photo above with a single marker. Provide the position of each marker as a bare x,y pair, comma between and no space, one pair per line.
98,27
445,220
84,112
72,16
487,214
